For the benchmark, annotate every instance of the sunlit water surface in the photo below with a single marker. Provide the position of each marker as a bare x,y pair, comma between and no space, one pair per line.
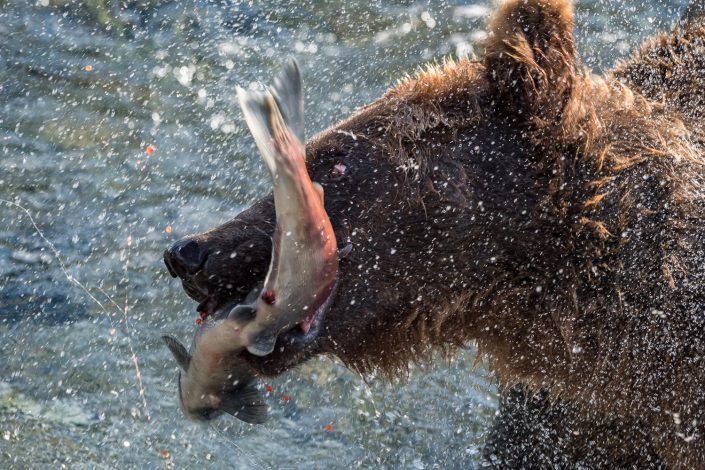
84,90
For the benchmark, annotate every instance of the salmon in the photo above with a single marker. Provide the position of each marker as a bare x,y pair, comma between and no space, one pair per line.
302,276
303,271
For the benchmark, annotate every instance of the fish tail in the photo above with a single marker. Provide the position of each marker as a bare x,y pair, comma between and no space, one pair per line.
276,118
289,96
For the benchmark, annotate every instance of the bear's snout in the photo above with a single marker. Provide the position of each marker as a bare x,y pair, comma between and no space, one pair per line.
184,258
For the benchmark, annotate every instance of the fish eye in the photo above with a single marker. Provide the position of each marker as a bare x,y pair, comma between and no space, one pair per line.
205,413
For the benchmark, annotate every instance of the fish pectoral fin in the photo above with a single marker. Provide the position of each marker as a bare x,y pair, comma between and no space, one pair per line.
263,344
243,313
178,350
319,191
245,403
345,251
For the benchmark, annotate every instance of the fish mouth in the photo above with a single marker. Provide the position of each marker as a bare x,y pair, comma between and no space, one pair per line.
207,307
217,303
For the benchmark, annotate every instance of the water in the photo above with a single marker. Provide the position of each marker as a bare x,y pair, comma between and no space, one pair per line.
84,90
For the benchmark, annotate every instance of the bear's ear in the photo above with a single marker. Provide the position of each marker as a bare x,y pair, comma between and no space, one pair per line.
530,58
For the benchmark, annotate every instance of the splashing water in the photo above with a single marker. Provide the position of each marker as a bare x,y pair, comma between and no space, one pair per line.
119,134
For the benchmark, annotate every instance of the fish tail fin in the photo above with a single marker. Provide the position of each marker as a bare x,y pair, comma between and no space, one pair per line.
289,94
276,117
245,403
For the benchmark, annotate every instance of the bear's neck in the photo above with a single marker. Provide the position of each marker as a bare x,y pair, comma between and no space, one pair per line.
474,254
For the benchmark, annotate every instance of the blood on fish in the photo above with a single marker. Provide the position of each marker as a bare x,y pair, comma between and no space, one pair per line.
165,454
150,149
268,297
329,427
285,397
168,229
268,388
88,68
199,321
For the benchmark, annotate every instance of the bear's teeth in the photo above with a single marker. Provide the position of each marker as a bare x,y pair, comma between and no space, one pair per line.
308,321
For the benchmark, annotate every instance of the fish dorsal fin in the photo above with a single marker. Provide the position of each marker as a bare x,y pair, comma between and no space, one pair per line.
289,94
319,190
178,350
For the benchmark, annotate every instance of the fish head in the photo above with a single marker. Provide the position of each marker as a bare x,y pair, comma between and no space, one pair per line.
203,407
202,399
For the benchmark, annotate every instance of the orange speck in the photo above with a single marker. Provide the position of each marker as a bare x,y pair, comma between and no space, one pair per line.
168,229
329,427
165,454
150,149
268,388
198,321
88,68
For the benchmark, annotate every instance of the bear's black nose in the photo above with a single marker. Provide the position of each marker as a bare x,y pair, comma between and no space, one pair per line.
184,257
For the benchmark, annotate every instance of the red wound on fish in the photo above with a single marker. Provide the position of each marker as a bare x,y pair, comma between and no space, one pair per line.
268,388
268,297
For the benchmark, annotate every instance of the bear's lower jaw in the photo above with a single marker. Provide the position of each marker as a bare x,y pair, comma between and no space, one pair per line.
307,331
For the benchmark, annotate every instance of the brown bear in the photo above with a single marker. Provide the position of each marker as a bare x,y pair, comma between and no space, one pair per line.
552,216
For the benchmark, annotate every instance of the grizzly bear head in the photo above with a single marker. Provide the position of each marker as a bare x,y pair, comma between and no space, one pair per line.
473,196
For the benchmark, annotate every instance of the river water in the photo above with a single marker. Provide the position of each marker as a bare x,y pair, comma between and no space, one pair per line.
120,133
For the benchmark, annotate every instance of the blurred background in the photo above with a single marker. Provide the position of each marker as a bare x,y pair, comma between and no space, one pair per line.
120,133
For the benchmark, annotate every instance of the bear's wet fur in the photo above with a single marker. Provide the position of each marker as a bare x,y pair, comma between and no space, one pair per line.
516,200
